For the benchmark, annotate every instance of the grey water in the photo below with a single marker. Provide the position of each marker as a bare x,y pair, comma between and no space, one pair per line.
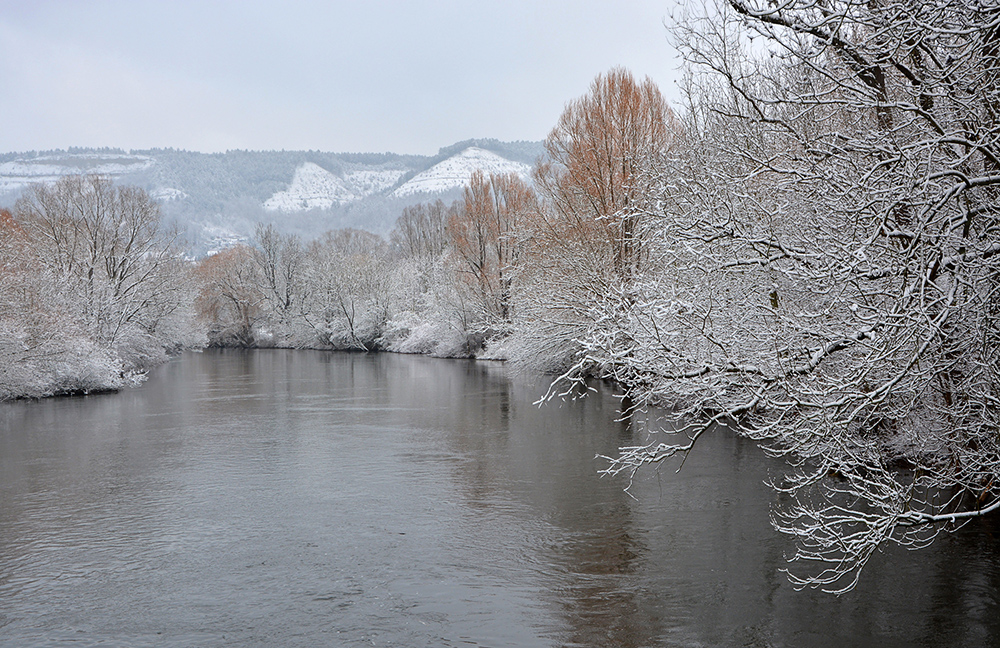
299,498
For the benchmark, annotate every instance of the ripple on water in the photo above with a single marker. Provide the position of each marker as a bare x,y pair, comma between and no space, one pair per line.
303,499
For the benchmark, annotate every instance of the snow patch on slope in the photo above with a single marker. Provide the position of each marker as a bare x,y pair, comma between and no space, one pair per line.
20,173
312,187
372,181
456,171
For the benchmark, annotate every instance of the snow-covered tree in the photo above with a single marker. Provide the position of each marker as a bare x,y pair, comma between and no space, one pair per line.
231,297
348,279
93,291
280,260
824,269
587,240
591,176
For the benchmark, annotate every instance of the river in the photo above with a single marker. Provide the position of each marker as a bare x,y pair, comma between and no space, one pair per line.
302,498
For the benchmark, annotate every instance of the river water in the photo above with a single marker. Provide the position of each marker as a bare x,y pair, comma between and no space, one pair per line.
298,498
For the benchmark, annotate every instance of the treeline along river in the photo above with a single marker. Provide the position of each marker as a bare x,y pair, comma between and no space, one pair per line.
297,498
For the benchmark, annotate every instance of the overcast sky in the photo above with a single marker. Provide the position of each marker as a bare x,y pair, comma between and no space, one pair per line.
406,77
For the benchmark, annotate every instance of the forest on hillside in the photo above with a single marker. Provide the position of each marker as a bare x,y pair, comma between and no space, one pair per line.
215,199
804,251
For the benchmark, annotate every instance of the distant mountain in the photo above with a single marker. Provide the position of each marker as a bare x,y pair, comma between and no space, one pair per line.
312,187
19,172
456,171
216,199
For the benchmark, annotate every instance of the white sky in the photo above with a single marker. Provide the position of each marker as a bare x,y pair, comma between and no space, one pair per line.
406,77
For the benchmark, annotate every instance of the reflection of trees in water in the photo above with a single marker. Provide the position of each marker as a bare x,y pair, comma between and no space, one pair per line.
694,558
962,599
516,454
509,513
598,590
481,433
601,600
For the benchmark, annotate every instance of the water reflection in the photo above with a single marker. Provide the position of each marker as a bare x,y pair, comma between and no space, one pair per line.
304,498
519,453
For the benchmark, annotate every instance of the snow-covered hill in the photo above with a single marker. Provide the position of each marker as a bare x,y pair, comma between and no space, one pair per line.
17,174
166,194
370,182
455,172
312,187
218,198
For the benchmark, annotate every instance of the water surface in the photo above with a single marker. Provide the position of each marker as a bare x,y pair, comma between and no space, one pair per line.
297,498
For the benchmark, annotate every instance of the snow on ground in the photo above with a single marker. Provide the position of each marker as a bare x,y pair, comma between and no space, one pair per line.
455,172
313,187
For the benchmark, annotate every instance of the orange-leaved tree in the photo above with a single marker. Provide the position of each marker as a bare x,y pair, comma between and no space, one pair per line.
591,180
485,233
588,246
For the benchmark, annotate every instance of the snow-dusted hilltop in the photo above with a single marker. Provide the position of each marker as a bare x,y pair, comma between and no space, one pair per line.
313,187
455,172
18,173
